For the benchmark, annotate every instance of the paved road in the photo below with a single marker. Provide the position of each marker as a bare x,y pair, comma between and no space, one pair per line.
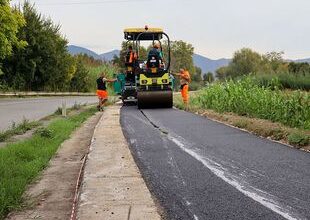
200,169
15,109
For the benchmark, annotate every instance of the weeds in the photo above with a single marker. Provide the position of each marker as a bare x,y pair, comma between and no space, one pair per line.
58,111
76,106
21,162
44,132
299,139
19,129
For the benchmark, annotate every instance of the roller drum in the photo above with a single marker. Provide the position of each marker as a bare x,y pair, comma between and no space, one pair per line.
155,99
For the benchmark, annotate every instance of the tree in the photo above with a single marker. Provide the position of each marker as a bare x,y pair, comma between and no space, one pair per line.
222,72
44,64
182,56
244,62
275,61
11,20
208,77
80,81
116,60
197,75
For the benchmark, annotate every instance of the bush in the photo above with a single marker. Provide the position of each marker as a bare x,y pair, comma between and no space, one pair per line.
44,132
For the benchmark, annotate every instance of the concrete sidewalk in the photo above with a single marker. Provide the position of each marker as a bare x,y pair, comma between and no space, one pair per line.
112,187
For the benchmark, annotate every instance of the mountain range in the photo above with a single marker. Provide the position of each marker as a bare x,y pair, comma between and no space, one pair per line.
206,64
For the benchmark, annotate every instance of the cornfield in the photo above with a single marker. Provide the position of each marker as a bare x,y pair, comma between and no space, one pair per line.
246,98
94,73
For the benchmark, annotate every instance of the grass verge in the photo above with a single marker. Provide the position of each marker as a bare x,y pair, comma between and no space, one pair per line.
299,138
21,128
21,162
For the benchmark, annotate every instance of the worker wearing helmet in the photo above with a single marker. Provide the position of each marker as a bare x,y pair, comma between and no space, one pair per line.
184,81
102,92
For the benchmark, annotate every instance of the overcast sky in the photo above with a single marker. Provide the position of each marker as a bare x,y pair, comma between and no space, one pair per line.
216,28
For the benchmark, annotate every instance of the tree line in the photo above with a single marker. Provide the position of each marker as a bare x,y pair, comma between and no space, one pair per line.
33,53
268,69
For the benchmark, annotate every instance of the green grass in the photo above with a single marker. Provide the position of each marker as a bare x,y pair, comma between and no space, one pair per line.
20,163
21,128
246,98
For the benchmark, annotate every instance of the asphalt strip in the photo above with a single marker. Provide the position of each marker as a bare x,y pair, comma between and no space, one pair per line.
267,200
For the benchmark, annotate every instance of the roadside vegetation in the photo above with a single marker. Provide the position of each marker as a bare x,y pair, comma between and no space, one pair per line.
269,70
19,129
21,162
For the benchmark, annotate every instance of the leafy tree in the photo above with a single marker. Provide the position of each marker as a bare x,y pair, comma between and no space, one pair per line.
208,77
244,62
11,20
275,62
182,56
116,60
197,75
222,72
44,64
299,68
80,81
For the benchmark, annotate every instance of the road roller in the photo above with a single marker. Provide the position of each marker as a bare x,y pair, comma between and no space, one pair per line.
147,82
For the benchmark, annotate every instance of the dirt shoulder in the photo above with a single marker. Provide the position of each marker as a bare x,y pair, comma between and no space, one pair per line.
51,196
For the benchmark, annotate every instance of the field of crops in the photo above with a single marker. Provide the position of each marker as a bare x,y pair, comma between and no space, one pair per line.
247,98
284,81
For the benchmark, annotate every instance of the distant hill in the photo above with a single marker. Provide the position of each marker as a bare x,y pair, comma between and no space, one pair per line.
109,55
307,60
74,50
209,65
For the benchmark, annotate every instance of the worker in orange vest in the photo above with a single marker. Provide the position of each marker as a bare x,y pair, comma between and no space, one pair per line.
131,56
185,79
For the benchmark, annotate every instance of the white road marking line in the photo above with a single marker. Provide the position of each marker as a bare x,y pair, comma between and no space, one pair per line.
250,191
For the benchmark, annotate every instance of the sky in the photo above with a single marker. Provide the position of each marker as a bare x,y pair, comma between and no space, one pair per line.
216,28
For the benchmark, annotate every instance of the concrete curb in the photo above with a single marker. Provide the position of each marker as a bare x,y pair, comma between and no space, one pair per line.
112,187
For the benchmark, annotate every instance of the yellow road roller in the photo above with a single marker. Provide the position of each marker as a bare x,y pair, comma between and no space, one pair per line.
149,81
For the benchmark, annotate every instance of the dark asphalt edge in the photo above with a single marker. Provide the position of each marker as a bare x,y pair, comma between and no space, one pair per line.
244,130
160,209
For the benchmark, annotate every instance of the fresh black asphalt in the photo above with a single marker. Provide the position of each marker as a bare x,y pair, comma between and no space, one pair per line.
200,169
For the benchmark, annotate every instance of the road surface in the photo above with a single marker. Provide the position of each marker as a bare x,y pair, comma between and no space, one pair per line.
15,109
201,169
